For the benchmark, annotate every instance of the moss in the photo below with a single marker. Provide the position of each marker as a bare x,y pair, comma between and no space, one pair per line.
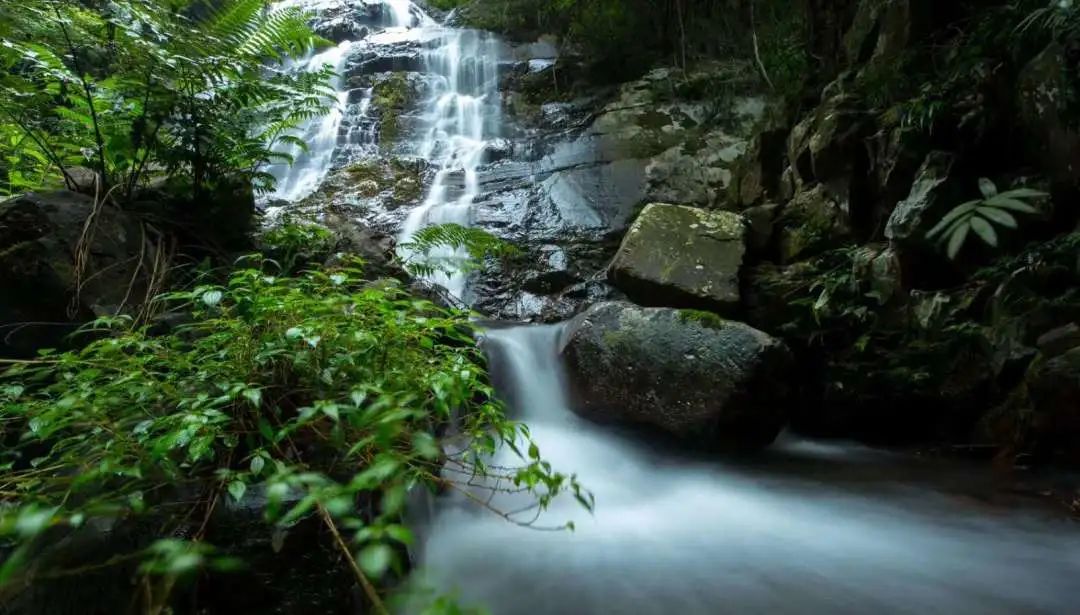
367,170
391,96
703,318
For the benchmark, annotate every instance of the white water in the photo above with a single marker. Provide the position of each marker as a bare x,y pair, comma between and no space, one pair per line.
308,169
791,532
306,173
460,119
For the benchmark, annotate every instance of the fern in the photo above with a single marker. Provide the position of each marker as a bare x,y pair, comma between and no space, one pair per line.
465,249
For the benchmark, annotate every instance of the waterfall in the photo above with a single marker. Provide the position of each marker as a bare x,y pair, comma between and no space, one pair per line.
304,175
322,134
806,528
461,116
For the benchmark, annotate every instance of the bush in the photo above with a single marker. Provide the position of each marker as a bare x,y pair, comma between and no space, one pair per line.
325,391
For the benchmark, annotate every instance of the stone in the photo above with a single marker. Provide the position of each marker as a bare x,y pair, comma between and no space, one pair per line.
39,235
690,374
761,222
931,196
1058,341
1047,101
679,256
812,222
825,146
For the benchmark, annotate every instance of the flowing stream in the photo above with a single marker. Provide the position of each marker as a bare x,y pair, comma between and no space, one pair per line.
805,528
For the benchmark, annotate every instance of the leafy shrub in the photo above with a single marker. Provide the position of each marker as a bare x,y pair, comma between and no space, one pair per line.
981,215
325,392
139,88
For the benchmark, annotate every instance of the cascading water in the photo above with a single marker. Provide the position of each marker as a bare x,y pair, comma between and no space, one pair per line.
304,175
463,114
810,528
323,134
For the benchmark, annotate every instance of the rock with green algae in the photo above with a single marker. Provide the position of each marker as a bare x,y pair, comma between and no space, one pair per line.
681,256
689,373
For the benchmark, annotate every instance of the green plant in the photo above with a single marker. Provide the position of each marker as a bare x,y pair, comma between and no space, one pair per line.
426,252
324,392
1058,17
140,88
981,215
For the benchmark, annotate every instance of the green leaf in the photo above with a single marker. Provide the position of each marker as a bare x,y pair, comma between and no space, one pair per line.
257,464
956,241
987,187
1004,202
951,217
254,396
237,489
984,230
998,216
1024,193
374,560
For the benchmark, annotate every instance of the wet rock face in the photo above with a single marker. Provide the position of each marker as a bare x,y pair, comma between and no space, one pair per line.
681,256
693,375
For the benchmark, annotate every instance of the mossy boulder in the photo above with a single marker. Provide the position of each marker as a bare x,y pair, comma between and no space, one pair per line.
690,374
681,256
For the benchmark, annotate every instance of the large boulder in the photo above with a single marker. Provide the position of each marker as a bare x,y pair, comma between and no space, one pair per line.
43,293
690,374
681,256
1047,111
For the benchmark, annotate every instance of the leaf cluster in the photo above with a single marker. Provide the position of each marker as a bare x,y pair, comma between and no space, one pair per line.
982,215
324,393
142,89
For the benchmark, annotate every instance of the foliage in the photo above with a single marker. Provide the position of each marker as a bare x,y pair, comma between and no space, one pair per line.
981,215
1060,18
141,88
450,247
324,393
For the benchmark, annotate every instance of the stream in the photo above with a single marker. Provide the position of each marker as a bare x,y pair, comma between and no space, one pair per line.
806,527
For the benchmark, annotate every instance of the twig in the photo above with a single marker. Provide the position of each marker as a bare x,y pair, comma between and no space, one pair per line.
369,589
757,49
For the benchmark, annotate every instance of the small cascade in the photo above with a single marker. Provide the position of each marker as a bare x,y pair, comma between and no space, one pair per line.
300,179
805,528
462,116
324,135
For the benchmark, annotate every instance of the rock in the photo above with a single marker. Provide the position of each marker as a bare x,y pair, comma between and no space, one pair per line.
931,197
758,173
1047,103
812,222
1054,391
826,146
680,256
82,180
691,374
1058,341
39,234
884,29
761,222
699,170
878,267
